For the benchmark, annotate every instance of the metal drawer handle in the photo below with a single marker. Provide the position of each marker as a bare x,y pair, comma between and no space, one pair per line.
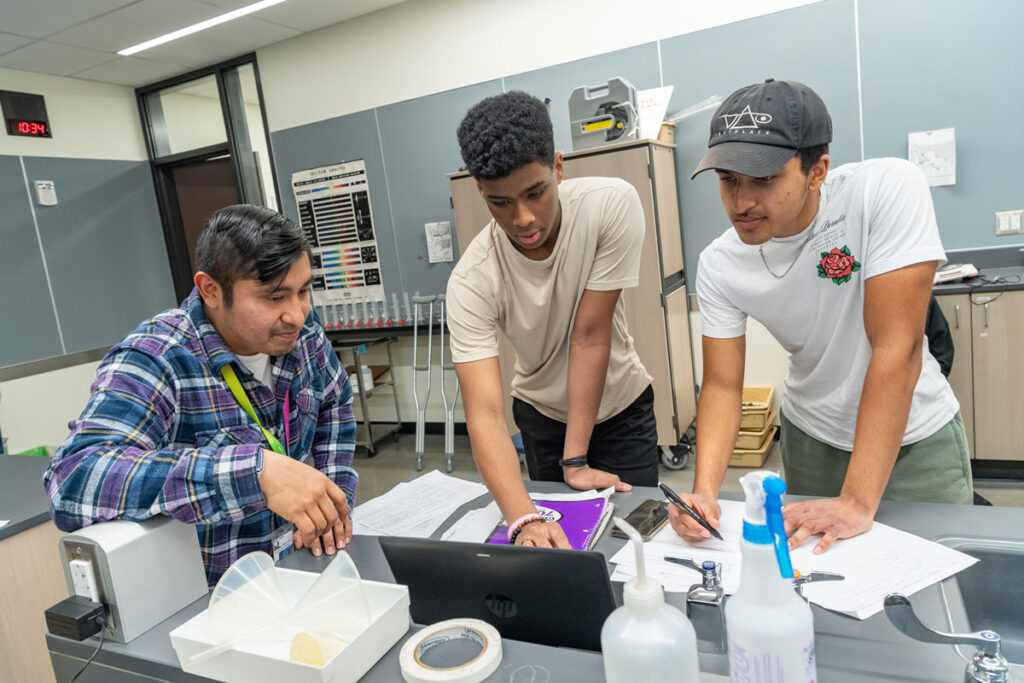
986,315
958,316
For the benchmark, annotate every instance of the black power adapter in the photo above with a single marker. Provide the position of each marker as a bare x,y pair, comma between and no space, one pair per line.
75,617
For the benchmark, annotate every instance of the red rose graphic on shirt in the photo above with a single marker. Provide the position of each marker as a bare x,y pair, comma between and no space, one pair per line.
837,265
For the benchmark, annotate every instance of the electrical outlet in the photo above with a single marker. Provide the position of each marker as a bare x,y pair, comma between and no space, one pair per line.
83,579
1009,222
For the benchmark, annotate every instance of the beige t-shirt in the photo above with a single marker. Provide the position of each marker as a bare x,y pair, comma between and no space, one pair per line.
534,303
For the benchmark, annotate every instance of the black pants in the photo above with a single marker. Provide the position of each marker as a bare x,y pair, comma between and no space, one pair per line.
625,444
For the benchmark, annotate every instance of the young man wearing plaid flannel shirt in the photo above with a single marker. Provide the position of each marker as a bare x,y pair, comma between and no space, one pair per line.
165,433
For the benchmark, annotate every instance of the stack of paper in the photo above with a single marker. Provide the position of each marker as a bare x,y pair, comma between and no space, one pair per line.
415,508
882,561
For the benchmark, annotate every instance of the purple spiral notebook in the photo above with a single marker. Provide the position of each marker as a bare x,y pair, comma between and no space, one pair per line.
582,520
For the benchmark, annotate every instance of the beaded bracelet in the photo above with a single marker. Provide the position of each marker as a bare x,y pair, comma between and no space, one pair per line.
516,527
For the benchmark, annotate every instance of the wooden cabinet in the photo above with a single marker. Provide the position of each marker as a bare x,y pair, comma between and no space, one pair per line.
957,309
663,347
997,326
988,365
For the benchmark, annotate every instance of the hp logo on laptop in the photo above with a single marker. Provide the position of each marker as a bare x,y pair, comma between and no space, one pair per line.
500,605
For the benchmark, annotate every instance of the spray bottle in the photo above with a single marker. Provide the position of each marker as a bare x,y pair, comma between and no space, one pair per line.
646,640
771,630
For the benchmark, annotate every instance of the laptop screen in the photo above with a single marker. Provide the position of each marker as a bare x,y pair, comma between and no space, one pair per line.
538,595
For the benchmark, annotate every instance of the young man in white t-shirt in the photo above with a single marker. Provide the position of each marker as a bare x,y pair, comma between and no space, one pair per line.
547,272
838,265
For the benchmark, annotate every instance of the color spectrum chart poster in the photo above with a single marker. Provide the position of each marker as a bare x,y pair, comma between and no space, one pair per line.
335,214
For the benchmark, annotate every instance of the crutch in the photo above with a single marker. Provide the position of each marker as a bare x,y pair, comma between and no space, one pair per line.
417,368
449,408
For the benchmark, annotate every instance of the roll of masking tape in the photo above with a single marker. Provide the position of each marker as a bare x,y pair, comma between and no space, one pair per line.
414,670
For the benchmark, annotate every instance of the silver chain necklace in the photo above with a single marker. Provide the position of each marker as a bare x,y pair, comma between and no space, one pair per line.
799,253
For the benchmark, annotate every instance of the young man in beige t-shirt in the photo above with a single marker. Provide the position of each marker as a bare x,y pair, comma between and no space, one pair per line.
547,272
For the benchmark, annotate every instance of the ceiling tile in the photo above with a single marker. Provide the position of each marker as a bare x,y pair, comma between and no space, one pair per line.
38,18
136,23
310,15
221,42
131,71
10,42
52,58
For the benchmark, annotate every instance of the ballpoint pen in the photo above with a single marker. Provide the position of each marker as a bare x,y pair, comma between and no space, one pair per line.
678,502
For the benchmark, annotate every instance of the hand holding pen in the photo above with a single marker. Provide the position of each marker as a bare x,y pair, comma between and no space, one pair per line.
696,520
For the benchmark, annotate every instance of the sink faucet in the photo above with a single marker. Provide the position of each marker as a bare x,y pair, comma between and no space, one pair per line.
813,577
705,603
986,666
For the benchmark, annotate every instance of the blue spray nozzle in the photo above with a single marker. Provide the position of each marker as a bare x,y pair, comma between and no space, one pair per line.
774,487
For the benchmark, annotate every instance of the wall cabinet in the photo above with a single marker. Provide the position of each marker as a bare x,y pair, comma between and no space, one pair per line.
656,310
990,352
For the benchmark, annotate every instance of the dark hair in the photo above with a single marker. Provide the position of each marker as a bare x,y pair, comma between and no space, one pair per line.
504,133
810,155
248,242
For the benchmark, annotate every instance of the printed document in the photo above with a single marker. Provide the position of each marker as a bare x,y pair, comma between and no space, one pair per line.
911,563
415,508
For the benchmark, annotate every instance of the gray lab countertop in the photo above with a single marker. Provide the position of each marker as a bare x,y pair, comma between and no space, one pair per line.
847,649
22,497
1005,279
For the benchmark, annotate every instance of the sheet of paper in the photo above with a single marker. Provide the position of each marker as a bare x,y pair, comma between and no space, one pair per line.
651,106
475,526
3,522
439,242
415,508
910,563
934,152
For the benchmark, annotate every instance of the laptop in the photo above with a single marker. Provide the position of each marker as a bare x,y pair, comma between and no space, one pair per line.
538,595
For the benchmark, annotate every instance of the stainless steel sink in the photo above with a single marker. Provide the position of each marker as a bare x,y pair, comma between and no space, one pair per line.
989,594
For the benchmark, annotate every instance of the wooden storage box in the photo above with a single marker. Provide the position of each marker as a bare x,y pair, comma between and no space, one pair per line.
754,457
757,405
751,440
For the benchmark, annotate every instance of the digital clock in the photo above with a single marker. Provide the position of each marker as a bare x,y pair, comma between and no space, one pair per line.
35,129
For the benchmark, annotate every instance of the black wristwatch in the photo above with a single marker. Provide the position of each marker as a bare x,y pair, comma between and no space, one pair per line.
578,461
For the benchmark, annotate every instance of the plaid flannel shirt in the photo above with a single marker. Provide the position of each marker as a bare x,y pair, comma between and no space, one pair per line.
163,435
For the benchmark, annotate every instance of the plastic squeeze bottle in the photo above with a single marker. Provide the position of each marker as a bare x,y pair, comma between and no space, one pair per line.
770,627
647,640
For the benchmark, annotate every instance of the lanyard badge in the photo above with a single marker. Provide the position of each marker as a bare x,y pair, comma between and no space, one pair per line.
236,389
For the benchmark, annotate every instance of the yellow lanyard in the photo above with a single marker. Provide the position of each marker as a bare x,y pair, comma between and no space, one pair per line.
236,388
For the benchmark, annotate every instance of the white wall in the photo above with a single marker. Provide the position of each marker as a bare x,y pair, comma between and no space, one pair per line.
89,120
35,410
428,46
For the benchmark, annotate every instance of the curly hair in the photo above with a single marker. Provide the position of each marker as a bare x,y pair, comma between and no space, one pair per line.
503,133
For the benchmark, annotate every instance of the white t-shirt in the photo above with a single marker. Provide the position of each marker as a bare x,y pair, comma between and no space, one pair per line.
873,217
534,303
259,366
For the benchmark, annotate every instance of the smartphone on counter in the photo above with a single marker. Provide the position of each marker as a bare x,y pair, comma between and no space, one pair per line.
648,518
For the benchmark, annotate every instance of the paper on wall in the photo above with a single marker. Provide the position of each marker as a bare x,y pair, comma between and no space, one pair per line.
439,242
934,152
651,106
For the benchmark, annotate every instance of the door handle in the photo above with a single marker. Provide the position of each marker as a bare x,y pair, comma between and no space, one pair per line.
986,315
957,317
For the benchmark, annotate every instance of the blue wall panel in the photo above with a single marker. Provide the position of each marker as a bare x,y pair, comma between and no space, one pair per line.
929,65
814,44
638,65
104,247
28,328
344,138
420,148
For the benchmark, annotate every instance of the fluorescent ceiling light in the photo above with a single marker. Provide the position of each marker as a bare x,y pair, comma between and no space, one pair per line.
201,26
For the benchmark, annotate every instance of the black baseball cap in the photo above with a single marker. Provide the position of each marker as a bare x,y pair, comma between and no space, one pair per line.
760,127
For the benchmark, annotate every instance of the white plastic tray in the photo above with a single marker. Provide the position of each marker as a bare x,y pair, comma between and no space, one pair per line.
265,657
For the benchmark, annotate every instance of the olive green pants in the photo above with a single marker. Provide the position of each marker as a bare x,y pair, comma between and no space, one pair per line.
934,470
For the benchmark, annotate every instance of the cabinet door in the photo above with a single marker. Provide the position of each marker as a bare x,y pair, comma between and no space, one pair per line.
643,302
997,325
957,309
471,216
